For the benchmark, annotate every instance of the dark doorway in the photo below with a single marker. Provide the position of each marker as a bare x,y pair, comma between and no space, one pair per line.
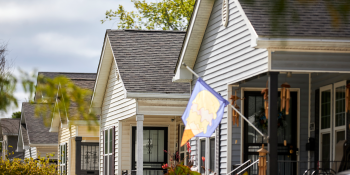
89,158
155,141
287,131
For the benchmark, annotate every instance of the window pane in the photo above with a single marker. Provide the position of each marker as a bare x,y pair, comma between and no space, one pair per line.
325,109
111,140
212,155
340,106
161,145
202,155
340,136
326,139
182,128
106,141
153,146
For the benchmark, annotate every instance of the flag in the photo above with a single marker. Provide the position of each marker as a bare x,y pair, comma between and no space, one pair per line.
203,113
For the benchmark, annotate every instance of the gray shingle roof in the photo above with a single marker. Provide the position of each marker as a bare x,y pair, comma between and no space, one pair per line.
71,75
146,59
314,19
38,133
9,126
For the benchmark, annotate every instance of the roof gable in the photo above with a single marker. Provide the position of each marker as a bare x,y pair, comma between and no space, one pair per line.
145,59
38,133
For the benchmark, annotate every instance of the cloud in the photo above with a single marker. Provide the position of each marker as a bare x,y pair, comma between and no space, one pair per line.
57,43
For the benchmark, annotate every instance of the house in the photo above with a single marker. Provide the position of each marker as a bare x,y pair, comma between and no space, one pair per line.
138,102
231,46
34,138
9,129
78,150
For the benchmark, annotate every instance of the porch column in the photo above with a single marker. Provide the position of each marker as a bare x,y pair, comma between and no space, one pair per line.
139,138
78,154
272,129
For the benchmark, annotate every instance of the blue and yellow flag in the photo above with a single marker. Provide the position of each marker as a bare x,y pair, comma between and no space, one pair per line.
203,113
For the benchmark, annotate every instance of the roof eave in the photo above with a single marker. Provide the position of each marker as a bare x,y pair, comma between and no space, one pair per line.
309,43
193,39
152,95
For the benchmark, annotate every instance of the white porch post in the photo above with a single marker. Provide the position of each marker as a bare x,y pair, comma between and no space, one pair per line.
139,136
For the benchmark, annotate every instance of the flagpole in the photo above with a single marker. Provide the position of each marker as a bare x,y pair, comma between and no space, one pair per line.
194,73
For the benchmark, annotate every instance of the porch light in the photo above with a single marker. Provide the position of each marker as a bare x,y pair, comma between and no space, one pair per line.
289,74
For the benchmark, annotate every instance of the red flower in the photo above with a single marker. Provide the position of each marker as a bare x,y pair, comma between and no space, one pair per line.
165,166
165,151
188,147
203,159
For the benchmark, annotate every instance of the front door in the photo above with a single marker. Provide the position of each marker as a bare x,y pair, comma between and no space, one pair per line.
155,141
287,132
89,158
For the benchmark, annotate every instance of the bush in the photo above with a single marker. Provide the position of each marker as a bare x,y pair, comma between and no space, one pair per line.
28,166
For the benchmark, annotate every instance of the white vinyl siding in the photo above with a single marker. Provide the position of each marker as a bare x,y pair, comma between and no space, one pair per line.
226,56
114,108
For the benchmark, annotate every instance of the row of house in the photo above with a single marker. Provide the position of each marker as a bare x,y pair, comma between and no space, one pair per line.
141,90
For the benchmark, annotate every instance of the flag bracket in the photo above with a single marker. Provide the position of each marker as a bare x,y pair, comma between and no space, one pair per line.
257,130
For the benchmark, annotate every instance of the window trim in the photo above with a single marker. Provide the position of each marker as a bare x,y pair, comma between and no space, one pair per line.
337,128
332,130
63,156
206,154
185,147
107,143
327,130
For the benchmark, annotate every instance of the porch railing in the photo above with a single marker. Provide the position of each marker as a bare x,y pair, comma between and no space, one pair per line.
309,167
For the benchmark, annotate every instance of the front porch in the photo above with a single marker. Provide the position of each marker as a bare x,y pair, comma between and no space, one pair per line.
311,136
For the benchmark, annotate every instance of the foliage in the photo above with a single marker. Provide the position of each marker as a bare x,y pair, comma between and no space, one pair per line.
7,82
165,15
29,166
61,97
177,166
16,114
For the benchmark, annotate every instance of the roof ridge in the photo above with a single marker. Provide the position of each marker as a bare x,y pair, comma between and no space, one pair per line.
69,72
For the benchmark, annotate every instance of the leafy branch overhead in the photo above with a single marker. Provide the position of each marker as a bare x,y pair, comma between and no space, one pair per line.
60,97
165,15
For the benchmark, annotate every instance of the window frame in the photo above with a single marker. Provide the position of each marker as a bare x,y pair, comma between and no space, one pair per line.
107,146
185,152
206,154
63,156
335,128
327,130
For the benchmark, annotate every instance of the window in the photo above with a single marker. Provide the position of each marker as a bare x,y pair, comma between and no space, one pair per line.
212,154
108,151
63,157
332,120
184,156
202,154
209,162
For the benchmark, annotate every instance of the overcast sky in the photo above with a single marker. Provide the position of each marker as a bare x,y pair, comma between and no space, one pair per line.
55,35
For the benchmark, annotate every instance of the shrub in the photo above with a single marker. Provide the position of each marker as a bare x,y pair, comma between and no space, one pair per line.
28,166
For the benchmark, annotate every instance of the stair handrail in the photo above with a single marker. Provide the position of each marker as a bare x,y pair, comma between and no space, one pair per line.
239,167
248,166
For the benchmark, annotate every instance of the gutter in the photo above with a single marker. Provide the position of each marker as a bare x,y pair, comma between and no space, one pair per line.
42,145
294,42
157,95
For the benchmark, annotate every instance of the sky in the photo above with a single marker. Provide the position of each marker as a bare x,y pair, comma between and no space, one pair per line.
54,35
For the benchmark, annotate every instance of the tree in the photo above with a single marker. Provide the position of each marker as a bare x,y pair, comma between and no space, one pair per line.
16,114
62,98
165,15
62,91
7,81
